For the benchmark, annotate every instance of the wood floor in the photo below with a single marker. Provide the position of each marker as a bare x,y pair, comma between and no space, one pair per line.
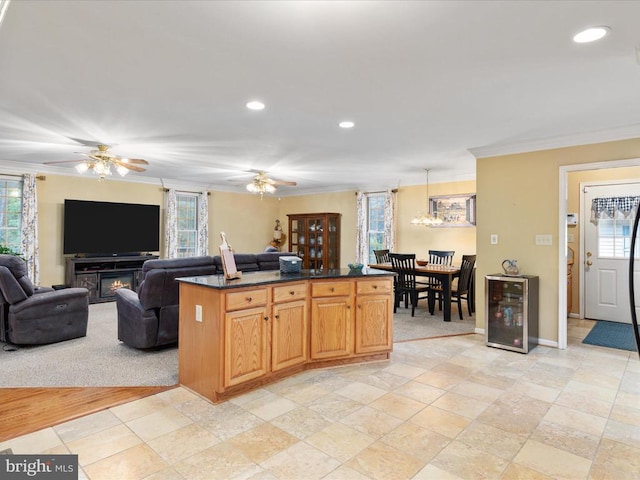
26,410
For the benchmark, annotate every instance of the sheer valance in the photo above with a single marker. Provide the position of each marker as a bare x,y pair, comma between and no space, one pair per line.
609,207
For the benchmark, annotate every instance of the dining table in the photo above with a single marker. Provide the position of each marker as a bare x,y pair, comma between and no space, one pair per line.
443,273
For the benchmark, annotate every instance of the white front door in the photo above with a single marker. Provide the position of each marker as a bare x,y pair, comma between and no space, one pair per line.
606,258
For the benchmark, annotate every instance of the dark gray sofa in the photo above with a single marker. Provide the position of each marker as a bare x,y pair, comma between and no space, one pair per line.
31,315
149,318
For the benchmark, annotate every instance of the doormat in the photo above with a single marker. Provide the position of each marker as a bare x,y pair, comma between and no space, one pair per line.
612,335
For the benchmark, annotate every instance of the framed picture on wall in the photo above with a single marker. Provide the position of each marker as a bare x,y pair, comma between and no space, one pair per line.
454,210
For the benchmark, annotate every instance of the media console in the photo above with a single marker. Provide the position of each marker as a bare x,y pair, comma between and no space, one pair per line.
102,276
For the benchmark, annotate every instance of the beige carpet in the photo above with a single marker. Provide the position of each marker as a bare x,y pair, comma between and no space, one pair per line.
424,325
99,359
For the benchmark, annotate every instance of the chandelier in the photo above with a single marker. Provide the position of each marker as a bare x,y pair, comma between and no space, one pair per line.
425,218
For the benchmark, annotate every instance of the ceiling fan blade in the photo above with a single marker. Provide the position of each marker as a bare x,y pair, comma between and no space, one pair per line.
82,141
135,160
62,161
273,181
129,166
136,169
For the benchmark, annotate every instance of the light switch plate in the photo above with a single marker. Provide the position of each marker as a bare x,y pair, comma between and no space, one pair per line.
544,240
198,313
494,239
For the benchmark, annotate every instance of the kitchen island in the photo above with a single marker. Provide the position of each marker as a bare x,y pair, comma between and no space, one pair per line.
236,335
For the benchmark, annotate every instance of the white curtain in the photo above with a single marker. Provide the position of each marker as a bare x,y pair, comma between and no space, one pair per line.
362,240
390,219
30,227
203,224
170,225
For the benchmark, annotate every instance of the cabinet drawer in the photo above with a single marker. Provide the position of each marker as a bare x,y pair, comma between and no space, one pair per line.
365,287
246,299
330,289
287,293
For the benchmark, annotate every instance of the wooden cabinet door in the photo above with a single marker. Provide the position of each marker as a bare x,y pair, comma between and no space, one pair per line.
289,335
331,327
246,345
374,326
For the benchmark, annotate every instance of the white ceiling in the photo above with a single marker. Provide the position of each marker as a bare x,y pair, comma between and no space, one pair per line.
425,83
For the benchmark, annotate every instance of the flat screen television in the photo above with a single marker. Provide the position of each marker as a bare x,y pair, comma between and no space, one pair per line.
110,228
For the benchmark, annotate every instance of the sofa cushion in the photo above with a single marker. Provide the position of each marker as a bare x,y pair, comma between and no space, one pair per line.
245,262
159,287
18,268
271,260
167,264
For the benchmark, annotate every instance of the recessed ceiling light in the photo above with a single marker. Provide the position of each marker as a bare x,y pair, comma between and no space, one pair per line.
346,124
591,34
255,105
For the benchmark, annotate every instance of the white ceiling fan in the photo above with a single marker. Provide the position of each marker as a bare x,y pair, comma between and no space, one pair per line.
101,160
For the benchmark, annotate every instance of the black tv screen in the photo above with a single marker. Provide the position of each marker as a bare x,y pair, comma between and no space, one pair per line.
109,228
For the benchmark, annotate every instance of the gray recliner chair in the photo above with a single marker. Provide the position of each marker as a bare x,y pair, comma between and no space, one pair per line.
32,315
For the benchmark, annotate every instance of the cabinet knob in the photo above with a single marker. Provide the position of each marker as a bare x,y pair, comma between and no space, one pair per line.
266,318
375,287
332,289
292,292
249,299
277,316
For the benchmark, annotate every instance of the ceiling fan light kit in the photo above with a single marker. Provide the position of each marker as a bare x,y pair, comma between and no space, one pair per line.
102,161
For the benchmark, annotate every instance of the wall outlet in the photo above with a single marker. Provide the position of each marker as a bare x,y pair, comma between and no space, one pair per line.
198,313
494,239
544,240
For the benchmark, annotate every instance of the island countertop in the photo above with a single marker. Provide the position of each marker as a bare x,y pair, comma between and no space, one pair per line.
250,279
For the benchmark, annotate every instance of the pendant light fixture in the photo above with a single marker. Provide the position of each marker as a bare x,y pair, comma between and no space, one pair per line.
425,218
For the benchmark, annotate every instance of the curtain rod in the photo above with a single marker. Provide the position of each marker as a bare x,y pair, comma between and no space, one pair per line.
38,177
395,190
185,191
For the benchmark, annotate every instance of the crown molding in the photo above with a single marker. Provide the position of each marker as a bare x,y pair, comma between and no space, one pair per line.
548,143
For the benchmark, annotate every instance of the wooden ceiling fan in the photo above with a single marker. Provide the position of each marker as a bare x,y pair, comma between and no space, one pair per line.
100,161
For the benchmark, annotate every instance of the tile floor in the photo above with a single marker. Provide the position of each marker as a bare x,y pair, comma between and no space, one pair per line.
447,408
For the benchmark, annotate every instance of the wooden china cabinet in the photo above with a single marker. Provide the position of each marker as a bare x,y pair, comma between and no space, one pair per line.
315,238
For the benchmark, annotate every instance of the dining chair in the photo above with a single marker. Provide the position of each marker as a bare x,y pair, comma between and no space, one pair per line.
406,287
382,256
461,290
440,257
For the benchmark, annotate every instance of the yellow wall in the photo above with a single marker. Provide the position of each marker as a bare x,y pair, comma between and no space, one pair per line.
247,219
335,202
51,195
419,239
573,205
517,199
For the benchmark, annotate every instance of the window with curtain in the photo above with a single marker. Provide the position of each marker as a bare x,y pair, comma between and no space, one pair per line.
11,214
187,222
614,218
376,224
